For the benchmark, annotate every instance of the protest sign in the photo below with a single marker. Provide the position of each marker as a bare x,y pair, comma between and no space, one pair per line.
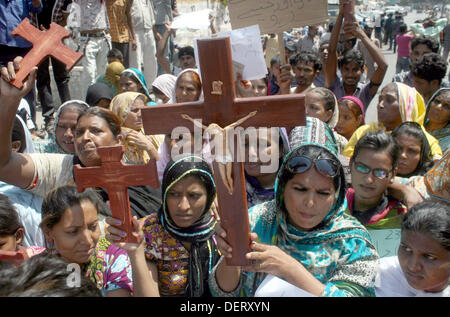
275,16
246,50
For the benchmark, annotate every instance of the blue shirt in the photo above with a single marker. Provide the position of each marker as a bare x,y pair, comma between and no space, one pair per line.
362,91
12,12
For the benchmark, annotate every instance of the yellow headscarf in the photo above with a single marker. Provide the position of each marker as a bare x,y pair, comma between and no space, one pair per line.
121,106
113,72
411,104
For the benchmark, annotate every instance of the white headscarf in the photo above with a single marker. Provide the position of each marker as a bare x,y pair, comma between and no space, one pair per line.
173,99
165,83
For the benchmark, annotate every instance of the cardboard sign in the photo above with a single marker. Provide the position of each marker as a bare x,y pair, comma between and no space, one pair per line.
197,20
274,16
247,52
386,241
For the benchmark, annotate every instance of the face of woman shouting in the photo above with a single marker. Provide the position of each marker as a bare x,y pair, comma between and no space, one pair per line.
92,132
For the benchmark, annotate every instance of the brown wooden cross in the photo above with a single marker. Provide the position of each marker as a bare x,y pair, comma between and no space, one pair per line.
349,15
13,255
45,44
221,106
115,177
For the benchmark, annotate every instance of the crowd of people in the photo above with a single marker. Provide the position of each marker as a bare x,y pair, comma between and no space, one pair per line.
339,178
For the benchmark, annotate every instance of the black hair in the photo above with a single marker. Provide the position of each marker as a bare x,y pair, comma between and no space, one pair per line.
327,96
431,218
378,142
309,57
114,52
57,201
330,27
45,275
9,218
313,152
111,119
18,134
133,77
274,60
431,43
186,50
352,56
431,66
426,159
403,28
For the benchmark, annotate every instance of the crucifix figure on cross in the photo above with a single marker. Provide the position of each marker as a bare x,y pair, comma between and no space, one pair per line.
45,44
219,112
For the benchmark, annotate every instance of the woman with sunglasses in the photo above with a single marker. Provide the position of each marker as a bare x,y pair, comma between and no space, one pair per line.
373,167
302,236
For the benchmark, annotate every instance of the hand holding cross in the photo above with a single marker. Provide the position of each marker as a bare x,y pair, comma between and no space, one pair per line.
45,44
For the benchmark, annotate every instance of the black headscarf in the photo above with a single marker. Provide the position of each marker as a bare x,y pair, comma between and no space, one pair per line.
96,92
203,254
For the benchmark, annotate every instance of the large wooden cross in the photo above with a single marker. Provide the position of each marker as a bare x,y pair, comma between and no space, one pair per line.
45,44
221,106
115,177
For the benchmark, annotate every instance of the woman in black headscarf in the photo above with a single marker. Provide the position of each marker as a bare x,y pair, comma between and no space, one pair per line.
179,249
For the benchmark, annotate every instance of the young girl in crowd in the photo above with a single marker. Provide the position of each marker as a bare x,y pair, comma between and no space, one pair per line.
12,232
422,265
71,228
179,250
305,218
415,153
132,79
321,103
437,118
259,183
163,86
351,116
397,103
373,167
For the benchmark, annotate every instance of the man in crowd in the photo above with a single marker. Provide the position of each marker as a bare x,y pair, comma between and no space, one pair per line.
428,73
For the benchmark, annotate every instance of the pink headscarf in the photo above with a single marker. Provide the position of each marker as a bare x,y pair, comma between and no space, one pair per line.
357,101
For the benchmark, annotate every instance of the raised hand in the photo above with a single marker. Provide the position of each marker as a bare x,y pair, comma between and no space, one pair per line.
8,73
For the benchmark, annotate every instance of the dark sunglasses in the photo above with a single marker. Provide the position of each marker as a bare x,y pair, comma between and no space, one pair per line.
325,167
380,173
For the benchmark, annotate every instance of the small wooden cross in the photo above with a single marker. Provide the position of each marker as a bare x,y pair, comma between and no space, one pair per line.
223,108
115,177
20,255
45,44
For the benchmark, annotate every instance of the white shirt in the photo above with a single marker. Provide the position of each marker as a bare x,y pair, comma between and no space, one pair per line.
306,44
391,282
143,14
93,15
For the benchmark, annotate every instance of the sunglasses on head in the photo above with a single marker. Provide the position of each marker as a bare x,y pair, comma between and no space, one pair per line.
325,167
380,173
